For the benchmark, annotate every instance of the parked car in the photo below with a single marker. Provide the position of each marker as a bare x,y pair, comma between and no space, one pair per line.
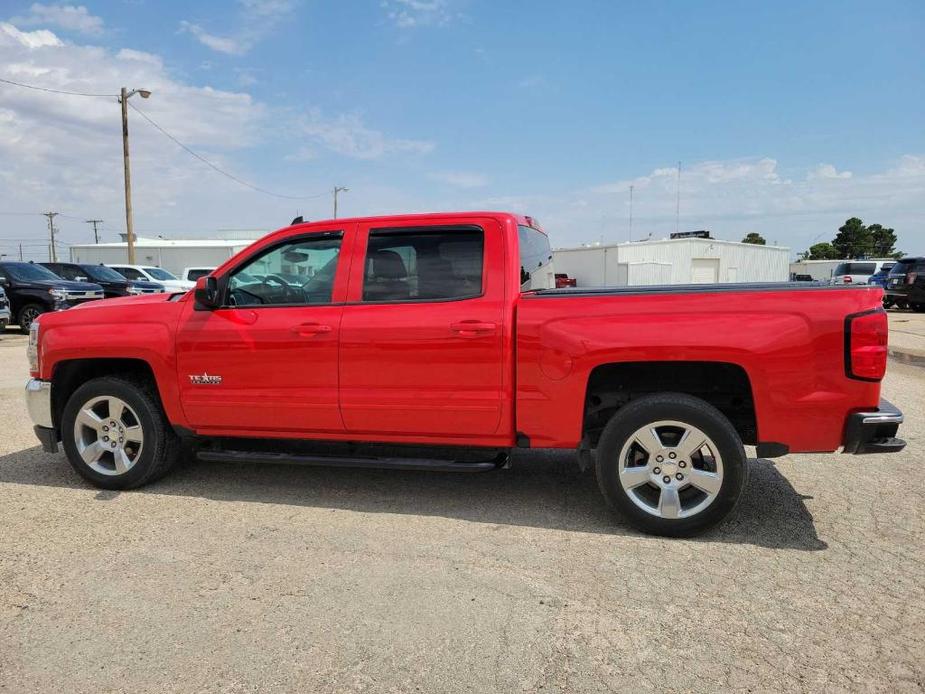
905,285
191,274
33,290
5,314
151,273
112,282
421,342
857,271
879,277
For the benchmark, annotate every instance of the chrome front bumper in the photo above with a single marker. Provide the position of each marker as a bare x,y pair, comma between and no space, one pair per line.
38,402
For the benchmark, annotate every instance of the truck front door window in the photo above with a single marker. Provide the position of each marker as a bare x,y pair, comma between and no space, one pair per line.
297,273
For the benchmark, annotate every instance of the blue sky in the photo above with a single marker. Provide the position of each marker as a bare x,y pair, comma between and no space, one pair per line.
787,117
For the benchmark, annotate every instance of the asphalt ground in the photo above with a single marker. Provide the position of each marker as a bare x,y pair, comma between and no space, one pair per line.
241,578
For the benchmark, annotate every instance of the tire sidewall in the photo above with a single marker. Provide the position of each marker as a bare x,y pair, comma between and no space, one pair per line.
147,416
22,315
689,410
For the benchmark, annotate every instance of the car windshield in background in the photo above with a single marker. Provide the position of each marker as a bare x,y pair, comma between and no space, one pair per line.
28,272
159,273
194,275
856,269
102,273
902,267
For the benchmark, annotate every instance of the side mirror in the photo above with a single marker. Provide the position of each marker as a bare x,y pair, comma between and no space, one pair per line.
206,293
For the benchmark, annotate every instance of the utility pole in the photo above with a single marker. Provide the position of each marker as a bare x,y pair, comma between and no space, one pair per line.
631,212
94,222
338,189
52,254
20,252
677,209
124,96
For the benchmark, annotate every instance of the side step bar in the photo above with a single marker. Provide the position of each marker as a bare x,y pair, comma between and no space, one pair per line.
502,460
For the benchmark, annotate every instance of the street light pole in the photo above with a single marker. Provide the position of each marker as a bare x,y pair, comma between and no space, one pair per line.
129,227
338,189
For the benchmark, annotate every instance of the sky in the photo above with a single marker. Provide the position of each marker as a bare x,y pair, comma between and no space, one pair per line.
787,117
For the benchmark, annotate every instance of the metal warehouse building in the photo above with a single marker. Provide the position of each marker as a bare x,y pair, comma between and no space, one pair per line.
673,261
172,255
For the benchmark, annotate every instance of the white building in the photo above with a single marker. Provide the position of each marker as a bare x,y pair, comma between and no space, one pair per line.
673,261
172,255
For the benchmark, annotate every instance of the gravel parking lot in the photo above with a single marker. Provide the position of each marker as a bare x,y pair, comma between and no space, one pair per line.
271,578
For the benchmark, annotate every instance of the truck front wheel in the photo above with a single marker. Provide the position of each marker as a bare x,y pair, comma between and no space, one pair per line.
115,433
671,464
27,314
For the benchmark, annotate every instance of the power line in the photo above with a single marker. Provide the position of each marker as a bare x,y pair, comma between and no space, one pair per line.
53,91
213,166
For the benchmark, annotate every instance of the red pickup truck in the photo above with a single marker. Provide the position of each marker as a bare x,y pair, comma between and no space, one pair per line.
440,342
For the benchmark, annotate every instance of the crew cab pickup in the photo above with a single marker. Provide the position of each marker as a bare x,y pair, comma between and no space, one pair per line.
440,342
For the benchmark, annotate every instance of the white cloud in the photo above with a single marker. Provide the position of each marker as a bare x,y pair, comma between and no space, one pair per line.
68,17
222,44
460,179
731,197
410,14
30,39
827,171
256,20
348,135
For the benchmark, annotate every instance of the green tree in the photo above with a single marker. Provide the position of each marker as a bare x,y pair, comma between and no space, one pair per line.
822,251
853,239
883,241
754,237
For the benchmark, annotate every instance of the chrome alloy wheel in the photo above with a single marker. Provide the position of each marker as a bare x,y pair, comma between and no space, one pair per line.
671,469
108,435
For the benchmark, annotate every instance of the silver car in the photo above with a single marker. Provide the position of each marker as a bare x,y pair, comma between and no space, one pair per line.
5,317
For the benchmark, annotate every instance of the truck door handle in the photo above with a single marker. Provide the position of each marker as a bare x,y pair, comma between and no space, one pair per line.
307,329
472,328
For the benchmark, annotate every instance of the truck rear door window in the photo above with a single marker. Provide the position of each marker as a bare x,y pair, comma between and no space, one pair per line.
423,265
535,253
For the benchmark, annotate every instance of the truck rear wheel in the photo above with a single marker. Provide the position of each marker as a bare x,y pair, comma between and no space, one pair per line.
115,433
671,464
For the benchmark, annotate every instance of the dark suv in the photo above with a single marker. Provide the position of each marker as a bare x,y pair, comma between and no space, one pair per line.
32,290
112,282
905,285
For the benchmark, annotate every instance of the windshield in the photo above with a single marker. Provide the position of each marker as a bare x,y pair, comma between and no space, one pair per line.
856,269
159,273
902,267
102,273
28,272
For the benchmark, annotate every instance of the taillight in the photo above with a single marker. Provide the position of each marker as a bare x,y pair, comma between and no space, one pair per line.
847,280
910,278
865,345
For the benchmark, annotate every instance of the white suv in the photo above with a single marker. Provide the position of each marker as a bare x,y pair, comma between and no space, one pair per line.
151,273
858,271
191,274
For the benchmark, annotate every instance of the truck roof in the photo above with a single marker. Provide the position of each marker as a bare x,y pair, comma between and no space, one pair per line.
524,220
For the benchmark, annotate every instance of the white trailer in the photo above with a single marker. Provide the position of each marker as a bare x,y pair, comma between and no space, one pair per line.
673,261
172,255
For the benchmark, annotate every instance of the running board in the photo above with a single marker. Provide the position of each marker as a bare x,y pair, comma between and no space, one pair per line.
502,460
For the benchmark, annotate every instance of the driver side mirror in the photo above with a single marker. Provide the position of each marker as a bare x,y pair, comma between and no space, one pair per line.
206,293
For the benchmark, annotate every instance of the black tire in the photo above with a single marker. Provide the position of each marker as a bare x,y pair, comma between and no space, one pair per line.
161,447
687,410
887,303
902,304
918,308
27,314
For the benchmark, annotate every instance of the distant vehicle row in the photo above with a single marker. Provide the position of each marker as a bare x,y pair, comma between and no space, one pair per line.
28,290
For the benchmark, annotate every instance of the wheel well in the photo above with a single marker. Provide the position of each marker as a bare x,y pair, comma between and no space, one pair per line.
723,385
69,375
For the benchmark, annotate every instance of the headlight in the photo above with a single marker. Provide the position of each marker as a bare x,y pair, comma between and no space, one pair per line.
32,351
58,294
135,290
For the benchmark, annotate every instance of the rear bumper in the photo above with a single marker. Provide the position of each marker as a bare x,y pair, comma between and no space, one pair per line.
874,431
38,403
